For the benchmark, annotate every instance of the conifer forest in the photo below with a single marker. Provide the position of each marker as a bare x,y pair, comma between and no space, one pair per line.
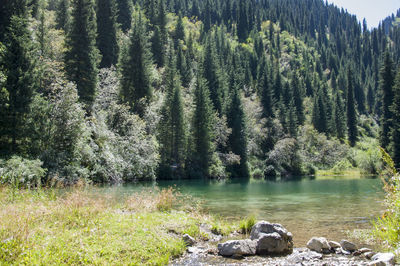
111,91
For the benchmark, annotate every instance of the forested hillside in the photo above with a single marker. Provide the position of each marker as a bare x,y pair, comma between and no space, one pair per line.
122,90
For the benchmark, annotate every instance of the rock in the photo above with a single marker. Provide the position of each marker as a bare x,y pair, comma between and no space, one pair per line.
357,253
383,259
365,250
334,244
271,238
272,243
369,255
189,241
347,245
318,244
237,248
300,257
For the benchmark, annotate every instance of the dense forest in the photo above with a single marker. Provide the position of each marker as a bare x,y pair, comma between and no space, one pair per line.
122,90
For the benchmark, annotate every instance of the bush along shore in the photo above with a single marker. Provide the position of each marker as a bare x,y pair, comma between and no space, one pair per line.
81,226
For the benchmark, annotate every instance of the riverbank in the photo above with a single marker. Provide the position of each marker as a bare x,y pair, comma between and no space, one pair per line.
43,227
82,226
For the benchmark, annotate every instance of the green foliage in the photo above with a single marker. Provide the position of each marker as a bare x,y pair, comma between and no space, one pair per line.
107,42
21,81
124,18
395,130
351,110
136,88
387,77
247,224
19,172
81,56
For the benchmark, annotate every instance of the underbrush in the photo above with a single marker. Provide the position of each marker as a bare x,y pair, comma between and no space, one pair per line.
387,227
52,227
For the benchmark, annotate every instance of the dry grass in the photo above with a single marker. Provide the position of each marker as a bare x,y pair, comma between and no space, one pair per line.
81,227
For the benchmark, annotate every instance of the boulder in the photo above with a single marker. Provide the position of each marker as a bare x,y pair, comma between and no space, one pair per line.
383,259
369,255
272,243
347,245
318,244
237,248
334,244
271,238
189,241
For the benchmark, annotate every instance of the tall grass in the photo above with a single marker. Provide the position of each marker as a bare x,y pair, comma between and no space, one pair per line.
387,227
46,227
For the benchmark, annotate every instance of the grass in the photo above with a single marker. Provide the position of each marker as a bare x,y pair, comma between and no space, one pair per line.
342,173
45,227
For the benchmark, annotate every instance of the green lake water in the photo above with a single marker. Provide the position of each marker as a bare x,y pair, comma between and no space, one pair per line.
310,207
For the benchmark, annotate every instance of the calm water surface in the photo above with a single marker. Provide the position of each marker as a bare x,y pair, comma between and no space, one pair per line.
310,207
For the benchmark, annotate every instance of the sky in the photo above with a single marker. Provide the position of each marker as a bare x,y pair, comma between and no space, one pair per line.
372,10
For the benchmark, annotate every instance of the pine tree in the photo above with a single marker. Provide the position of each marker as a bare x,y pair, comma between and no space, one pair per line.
386,85
238,139
63,16
319,118
20,82
124,14
9,8
107,32
183,67
136,87
266,94
351,111
395,130
339,117
243,22
298,99
212,74
82,55
179,30
157,47
202,129
172,125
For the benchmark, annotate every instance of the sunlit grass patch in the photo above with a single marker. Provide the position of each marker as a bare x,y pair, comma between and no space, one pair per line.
45,227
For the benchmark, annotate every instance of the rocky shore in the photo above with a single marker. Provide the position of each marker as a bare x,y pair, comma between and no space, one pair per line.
272,244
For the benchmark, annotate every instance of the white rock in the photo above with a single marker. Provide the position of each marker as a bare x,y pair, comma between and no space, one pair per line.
386,258
334,244
318,244
189,241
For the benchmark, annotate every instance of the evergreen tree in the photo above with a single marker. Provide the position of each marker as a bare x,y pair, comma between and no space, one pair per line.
340,118
351,110
298,99
395,130
183,67
107,32
136,87
212,74
266,94
238,139
179,30
243,22
63,15
319,118
172,126
20,83
157,47
124,13
202,129
82,55
386,86
9,8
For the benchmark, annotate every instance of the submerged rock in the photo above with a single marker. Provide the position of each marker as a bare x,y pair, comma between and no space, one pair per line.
383,259
237,248
347,245
271,238
318,244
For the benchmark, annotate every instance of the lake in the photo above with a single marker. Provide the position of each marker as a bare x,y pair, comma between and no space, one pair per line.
328,207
